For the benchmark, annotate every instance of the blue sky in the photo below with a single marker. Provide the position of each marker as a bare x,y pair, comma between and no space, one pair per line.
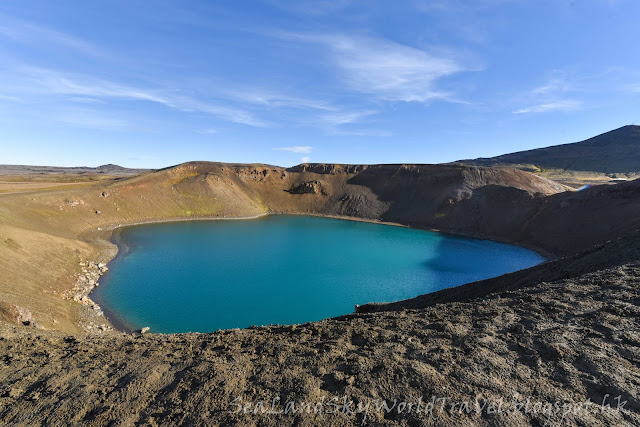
156,83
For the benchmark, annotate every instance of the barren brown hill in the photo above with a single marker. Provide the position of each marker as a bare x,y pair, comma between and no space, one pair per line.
563,332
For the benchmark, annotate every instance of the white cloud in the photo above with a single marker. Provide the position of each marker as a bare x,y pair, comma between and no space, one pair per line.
272,99
391,71
558,94
384,69
302,149
230,114
86,100
561,105
345,117
561,81
305,159
342,123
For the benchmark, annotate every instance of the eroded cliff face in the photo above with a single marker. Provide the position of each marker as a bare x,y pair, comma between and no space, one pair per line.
45,235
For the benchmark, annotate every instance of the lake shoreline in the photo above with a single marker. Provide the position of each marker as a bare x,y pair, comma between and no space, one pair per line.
115,238
116,321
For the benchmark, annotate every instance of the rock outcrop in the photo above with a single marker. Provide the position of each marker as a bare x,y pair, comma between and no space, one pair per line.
17,315
309,187
85,283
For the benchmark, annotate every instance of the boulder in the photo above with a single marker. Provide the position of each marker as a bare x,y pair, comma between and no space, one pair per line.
309,187
16,314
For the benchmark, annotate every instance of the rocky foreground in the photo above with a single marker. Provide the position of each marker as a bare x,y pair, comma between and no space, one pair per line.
566,351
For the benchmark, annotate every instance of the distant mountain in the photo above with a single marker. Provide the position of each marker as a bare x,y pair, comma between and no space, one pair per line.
614,152
108,169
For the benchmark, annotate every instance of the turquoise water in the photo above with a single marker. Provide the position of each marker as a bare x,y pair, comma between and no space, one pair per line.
208,275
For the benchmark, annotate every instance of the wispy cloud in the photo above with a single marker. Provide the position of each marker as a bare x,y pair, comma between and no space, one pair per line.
236,106
458,19
558,84
25,32
310,7
299,149
303,111
391,71
41,82
362,132
349,123
378,67
560,105
345,117
456,5
271,99
86,100
302,149
385,69
558,94
58,83
208,131
9,98
230,114
90,119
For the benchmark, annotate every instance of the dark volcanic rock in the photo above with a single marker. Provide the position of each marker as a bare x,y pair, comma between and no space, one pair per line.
327,168
310,187
617,151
